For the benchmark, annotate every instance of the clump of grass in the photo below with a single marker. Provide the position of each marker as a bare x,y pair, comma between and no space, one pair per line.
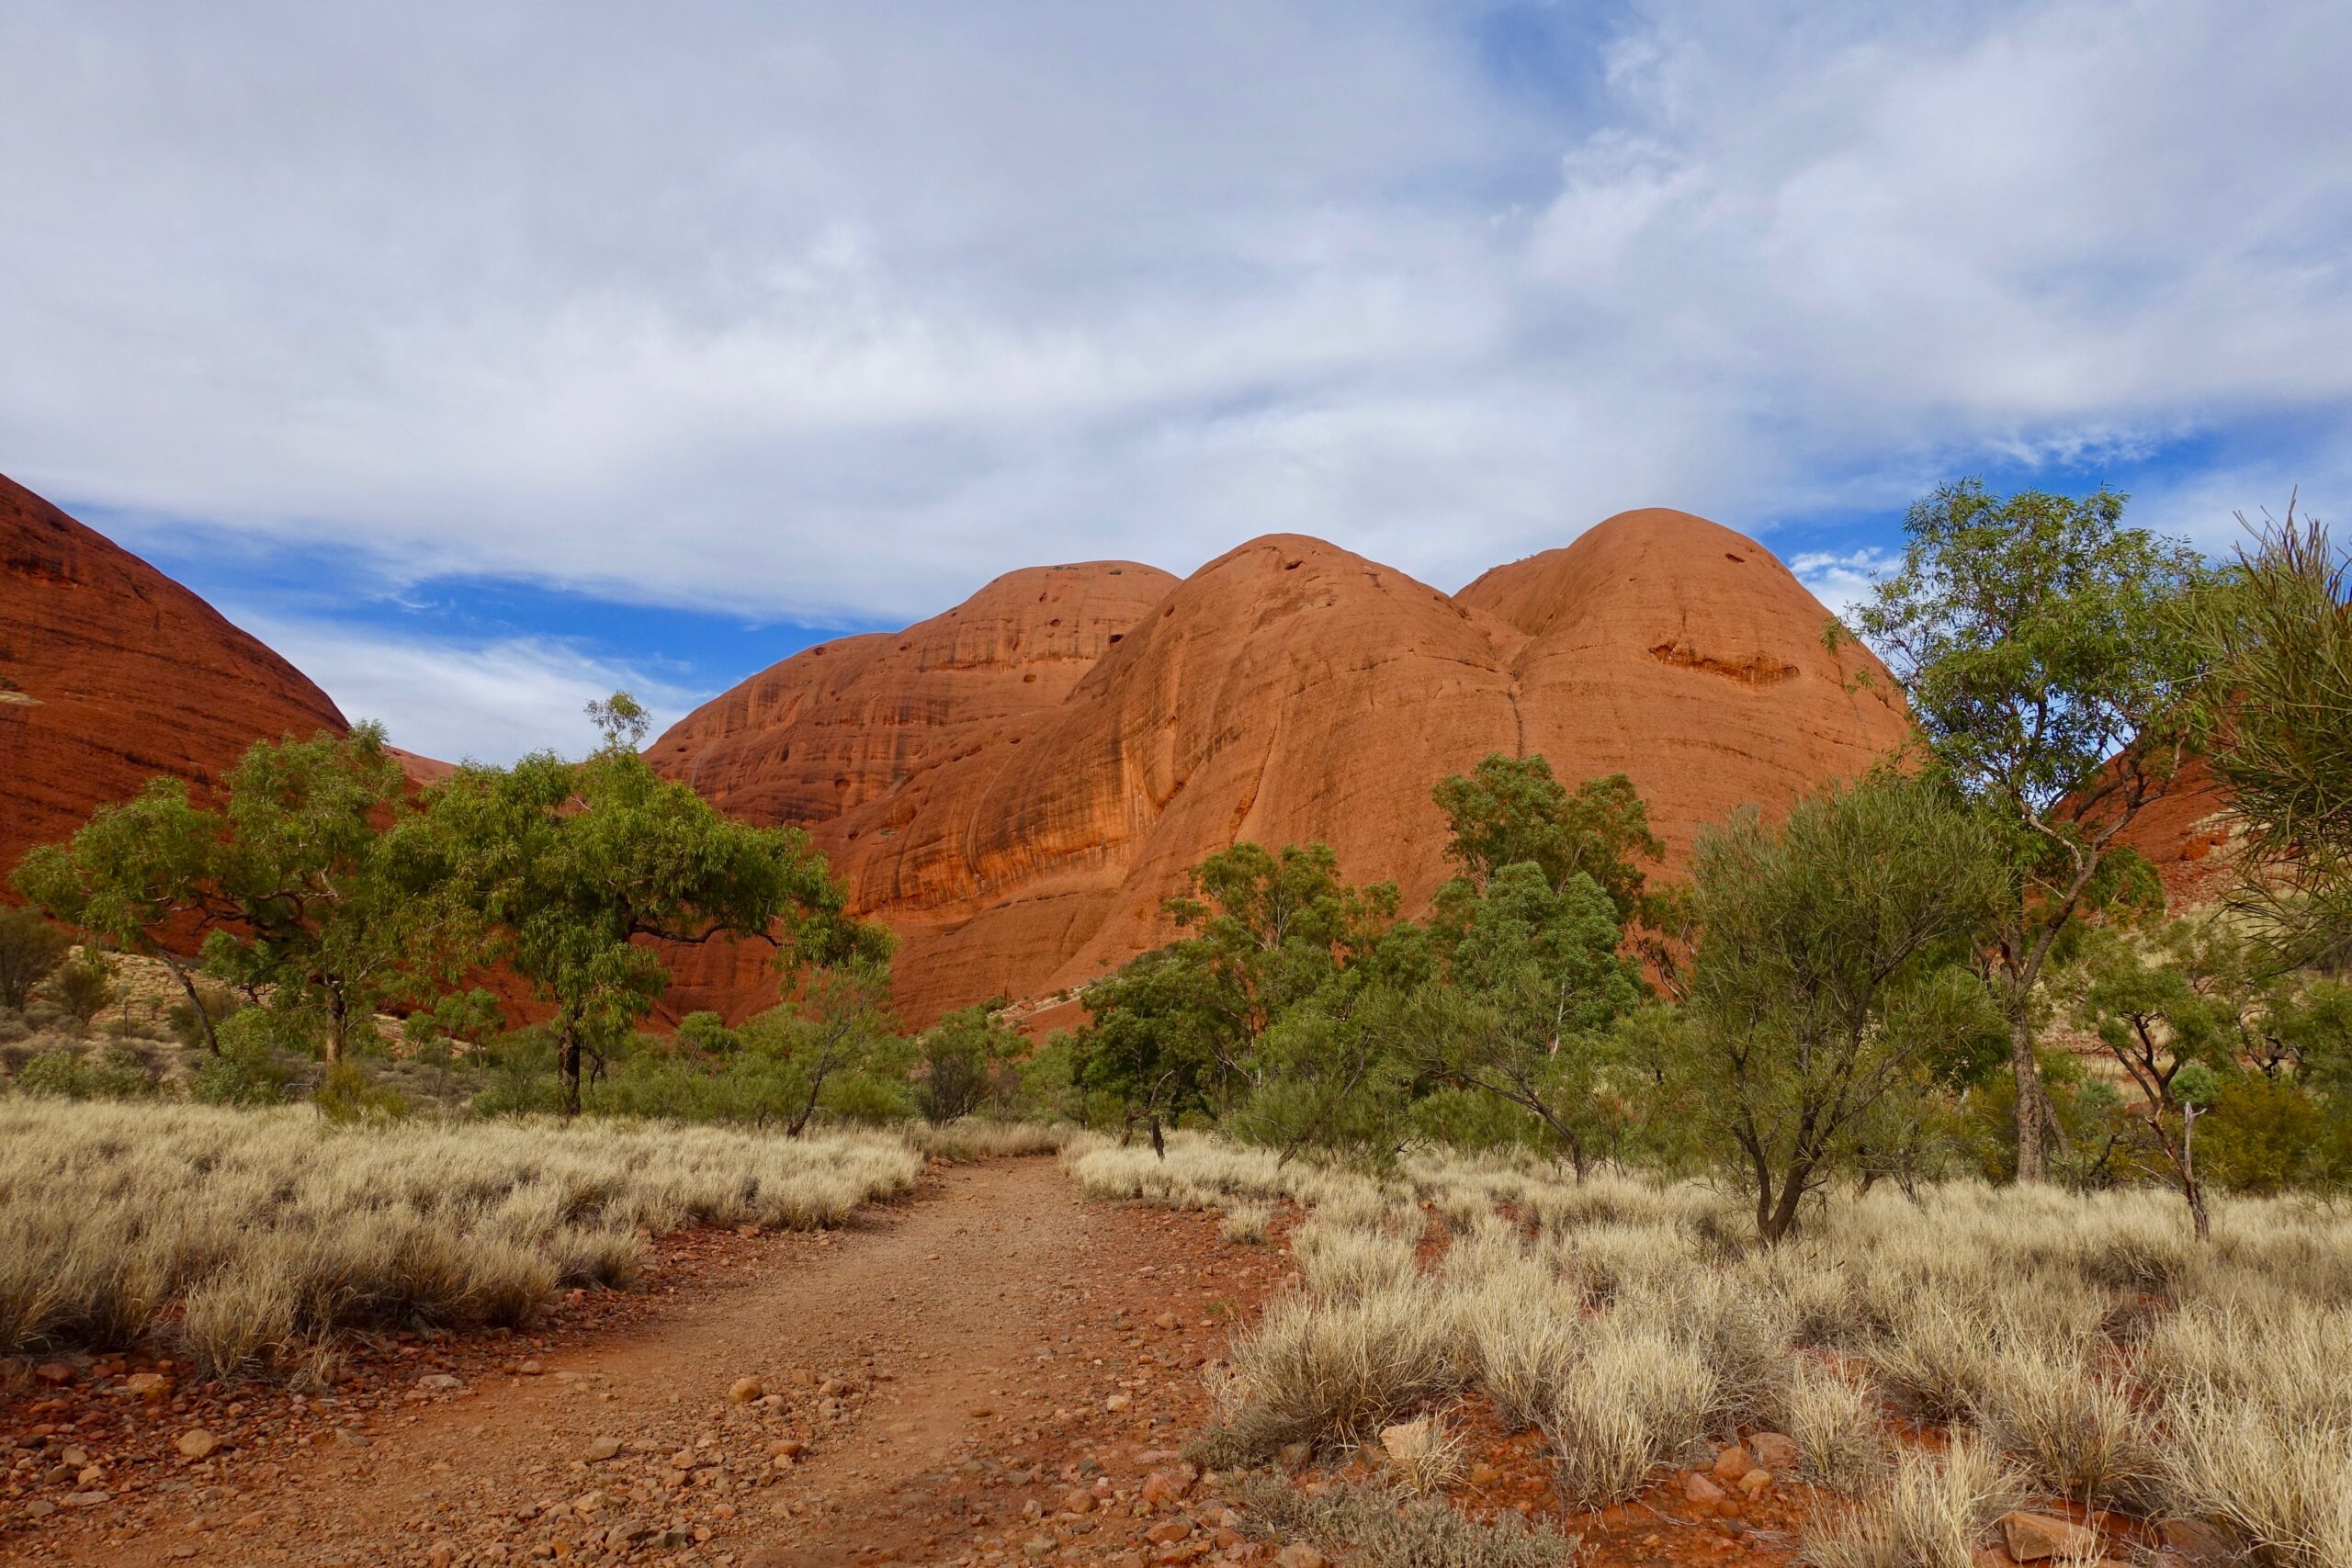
1524,1337
1344,1261
2072,1427
1638,1398
1382,1527
979,1138
1322,1372
2276,1478
1835,1423
1930,1513
1248,1222
264,1233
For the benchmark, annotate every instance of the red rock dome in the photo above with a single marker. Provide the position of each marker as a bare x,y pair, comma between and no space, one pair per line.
1021,839
111,672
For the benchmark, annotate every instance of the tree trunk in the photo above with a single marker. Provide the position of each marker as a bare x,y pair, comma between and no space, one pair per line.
1782,1217
2190,1185
336,1024
1159,1142
2033,1106
188,984
568,1069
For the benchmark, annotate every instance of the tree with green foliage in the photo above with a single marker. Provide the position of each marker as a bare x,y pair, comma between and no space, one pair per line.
1512,811
575,869
958,1058
333,915
30,951
1531,937
2280,635
1530,983
836,1045
1145,1045
1831,988
139,877
2053,675
1254,1016
2173,1009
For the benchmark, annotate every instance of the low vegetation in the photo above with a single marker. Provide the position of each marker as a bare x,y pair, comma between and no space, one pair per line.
2080,1346
253,1238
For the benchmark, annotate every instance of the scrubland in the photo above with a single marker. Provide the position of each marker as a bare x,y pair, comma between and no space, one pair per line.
250,1238
1938,1362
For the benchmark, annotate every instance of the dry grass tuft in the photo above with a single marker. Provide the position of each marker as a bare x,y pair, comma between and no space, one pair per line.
2086,1335
2073,1428
265,1233
1835,1422
1383,1528
1931,1513
1637,1399
1317,1371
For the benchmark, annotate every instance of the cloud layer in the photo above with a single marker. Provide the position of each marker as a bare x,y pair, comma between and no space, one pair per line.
832,312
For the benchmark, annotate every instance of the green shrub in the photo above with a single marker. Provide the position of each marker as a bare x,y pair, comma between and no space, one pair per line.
117,1073
2266,1135
30,950
246,1071
219,1003
83,987
350,1096
709,1031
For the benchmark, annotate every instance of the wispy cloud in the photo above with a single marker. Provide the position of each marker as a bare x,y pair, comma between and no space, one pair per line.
1842,581
490,700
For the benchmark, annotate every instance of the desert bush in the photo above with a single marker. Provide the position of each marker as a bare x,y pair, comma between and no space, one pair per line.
30,951
82,986
245,1071
1930,1513
116,1073
350,1097
272,1231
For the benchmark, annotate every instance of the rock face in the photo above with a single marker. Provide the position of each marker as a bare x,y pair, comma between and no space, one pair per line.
111,672
1016,785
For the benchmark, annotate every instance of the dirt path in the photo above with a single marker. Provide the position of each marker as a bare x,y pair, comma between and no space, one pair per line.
936,1378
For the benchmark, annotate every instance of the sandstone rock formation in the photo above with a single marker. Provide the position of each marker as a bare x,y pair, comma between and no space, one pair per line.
111,672
1016,785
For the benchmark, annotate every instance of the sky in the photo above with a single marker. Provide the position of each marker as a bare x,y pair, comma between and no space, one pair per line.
482,357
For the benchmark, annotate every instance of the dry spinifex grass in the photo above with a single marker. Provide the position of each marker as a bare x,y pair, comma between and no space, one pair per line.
255,1236
2076,1345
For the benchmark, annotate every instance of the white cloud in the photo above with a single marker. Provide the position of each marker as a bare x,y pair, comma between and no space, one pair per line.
834,311
490,701
1842,580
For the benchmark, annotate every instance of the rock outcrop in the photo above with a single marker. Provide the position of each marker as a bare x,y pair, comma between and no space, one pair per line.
1015,786
110,673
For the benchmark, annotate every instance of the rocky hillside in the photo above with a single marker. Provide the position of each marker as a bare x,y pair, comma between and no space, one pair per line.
111,672
1014,787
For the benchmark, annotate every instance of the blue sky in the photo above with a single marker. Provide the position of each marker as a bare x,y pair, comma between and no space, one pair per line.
484,358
